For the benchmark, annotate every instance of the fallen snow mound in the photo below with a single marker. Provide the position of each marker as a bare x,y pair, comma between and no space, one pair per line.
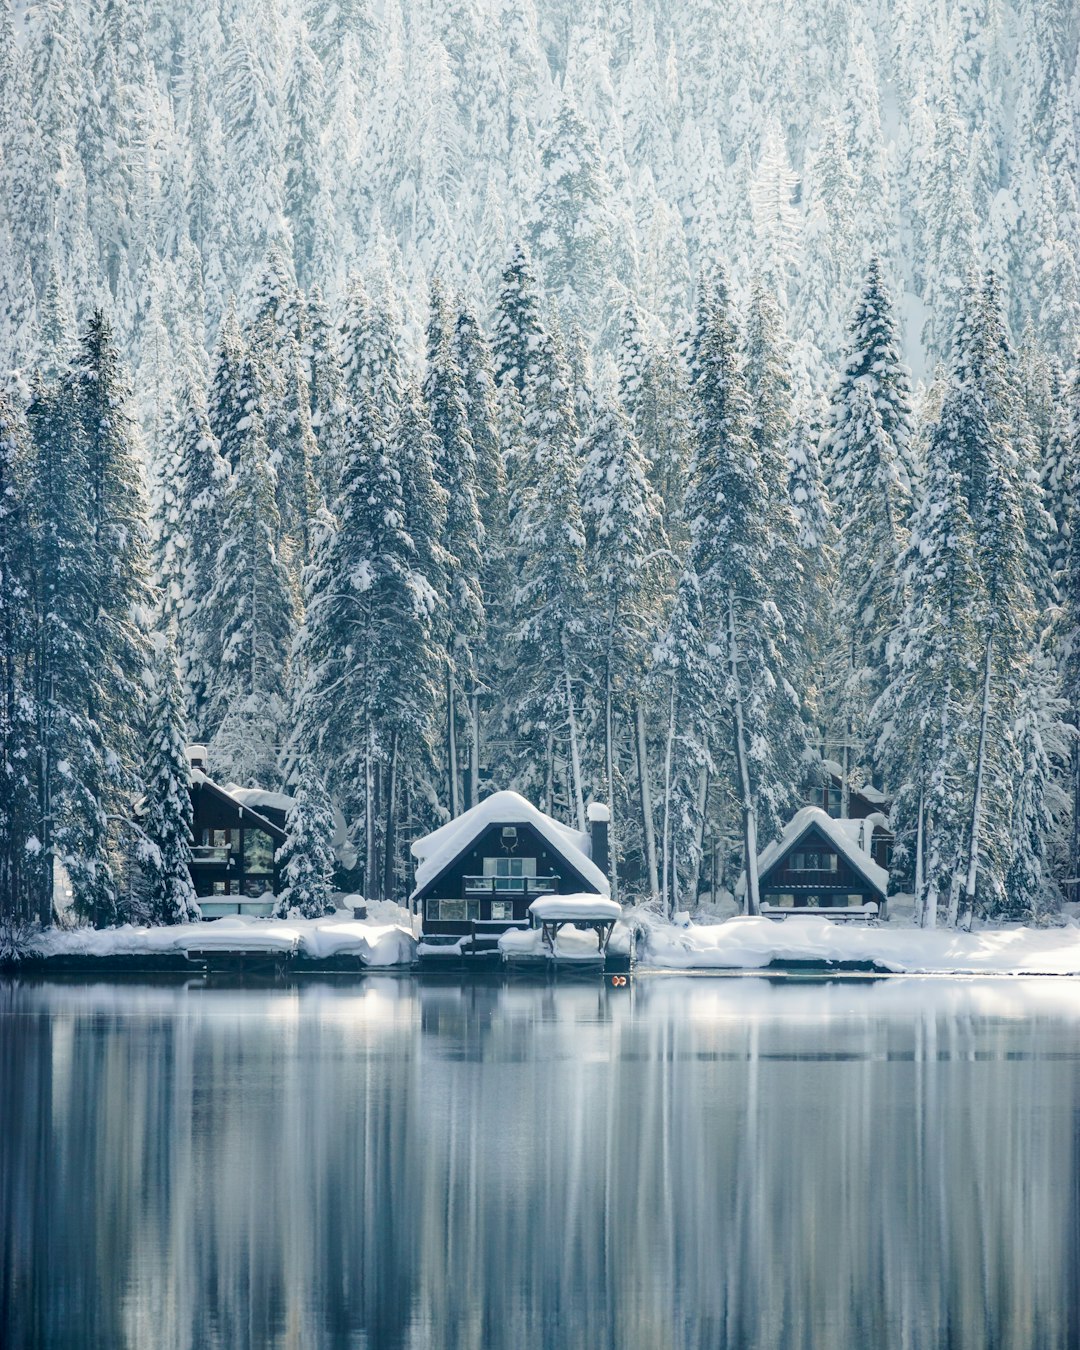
382,941
752,943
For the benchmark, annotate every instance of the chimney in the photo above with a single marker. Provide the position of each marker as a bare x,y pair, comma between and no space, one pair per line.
599,816
196,755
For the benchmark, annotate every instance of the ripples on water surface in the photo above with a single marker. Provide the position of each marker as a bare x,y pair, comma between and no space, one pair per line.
686,1163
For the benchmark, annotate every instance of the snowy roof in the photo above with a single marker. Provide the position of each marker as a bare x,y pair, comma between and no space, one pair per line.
258,798
239,797
437,850
575,909
850,838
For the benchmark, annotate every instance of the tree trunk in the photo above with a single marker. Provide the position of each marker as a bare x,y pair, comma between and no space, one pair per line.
451,743
609,755
667,892
648,824
575,755
699,851
391,820
980,772
474,749
369,816
845,778
549,775
920,898
749,811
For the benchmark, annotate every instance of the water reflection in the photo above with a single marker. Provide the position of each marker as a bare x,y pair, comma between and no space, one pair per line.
689,1162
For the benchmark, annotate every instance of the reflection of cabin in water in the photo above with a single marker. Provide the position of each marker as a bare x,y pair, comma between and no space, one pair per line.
477,875
822,863
237,832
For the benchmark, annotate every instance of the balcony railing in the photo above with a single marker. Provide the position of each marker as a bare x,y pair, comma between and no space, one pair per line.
511,885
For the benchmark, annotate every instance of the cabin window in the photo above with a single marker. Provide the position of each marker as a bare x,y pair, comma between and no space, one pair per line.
452,911
502,909
509,874
786,900
834,800
258,852
225,888
813,860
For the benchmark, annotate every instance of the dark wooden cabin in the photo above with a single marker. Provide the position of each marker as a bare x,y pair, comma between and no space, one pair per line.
822,863
233,855
864,802
478,875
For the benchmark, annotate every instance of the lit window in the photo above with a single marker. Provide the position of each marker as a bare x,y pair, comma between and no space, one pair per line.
502,909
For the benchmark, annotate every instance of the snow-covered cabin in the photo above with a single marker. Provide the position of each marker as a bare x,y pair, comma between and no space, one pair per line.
237,832
865,802
479,873
820,862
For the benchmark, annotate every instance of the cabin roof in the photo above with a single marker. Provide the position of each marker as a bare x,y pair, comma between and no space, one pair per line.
844,835
239,799
435,852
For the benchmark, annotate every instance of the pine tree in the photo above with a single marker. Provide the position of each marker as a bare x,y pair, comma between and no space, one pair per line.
518,326
463,539
682,662
872,357
18,842
306,859
927,712
625,564
167,813
548,606
733,526
96,390
203,481
369,671
250,613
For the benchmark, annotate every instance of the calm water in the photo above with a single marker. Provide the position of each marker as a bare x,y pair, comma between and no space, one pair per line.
688,1162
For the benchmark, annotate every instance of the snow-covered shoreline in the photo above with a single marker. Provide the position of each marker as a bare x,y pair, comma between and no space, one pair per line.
724,947
743,943
382,940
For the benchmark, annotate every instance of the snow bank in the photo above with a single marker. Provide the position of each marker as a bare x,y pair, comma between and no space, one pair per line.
384,939
752,943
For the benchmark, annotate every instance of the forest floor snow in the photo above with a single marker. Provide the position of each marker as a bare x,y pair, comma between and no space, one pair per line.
384,938
745,943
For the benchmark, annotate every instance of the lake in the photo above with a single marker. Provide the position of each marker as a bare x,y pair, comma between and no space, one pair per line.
686,1162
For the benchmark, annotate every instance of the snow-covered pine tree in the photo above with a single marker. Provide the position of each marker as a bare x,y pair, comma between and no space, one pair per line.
684,669
927,713
870,511
463,538
626,563
872,356
733,527
369,670
167,815
571,227
202,486
228,393
306,859
518,325
549,620
96,391
250,612
18,841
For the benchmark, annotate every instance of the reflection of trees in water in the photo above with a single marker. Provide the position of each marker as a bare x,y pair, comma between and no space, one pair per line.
684,1163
